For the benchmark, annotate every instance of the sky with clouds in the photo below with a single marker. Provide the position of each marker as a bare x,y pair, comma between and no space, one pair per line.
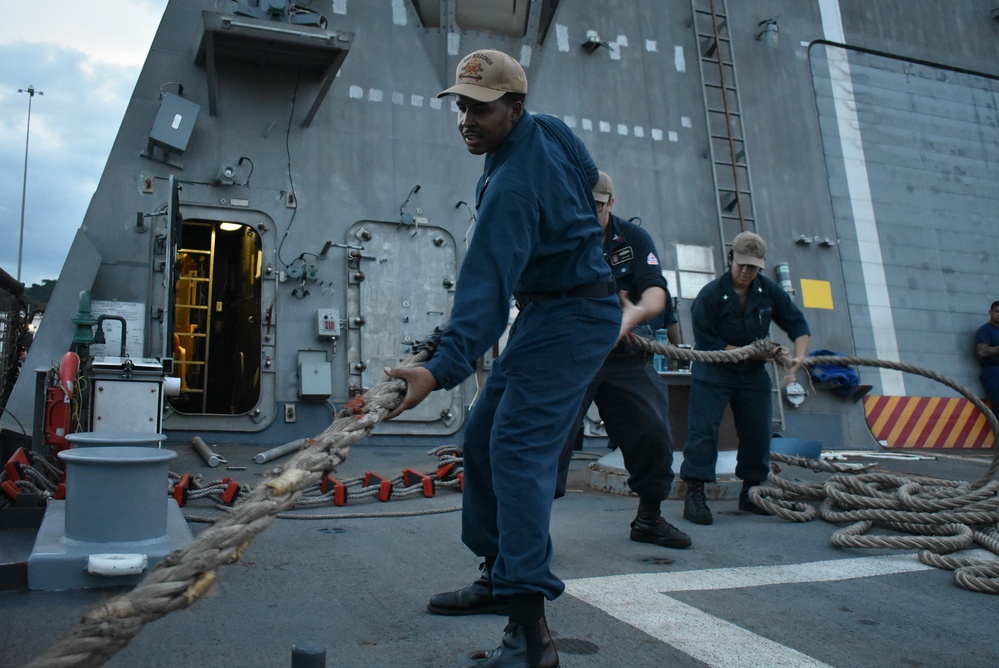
85,56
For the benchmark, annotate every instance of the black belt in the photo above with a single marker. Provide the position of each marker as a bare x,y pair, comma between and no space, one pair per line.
590,290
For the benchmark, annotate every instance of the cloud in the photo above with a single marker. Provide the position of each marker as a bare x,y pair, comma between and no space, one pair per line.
85,58
106,32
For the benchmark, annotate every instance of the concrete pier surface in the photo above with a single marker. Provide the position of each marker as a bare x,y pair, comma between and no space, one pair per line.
751,591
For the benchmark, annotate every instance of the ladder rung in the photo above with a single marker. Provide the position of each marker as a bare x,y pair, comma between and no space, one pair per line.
718,87
727,138
715,61
711,35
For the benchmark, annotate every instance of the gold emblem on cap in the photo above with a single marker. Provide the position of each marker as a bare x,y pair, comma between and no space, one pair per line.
471,70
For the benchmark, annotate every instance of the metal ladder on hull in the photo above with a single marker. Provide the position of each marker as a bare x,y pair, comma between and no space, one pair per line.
729,162
727,145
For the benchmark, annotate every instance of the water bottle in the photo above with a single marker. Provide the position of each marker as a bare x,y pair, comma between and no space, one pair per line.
660,362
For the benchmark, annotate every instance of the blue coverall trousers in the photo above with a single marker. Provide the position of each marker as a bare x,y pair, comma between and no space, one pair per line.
749,395
516,431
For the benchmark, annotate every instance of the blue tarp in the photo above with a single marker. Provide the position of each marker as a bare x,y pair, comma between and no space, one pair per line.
839,378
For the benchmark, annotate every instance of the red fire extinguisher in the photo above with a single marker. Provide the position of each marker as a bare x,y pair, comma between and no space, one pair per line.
59,405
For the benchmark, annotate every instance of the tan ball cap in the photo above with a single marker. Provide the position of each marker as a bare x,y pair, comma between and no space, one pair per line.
604,190
487,76
749,248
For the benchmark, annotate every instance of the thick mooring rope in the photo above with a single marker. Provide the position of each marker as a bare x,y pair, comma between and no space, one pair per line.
940,516
185,574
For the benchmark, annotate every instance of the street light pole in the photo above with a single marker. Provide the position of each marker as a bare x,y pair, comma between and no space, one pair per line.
30,90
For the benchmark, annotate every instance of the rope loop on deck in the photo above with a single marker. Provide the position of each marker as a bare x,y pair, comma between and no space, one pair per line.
782,358
935,515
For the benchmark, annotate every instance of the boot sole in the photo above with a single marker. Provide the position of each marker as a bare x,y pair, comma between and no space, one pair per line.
752,508
499,609
644,538
699,520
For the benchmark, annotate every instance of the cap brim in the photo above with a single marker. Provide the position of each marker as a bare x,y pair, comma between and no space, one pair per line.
739,258
603,198
478,93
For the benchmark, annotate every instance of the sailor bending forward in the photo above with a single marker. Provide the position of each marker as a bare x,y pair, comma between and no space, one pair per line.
537,239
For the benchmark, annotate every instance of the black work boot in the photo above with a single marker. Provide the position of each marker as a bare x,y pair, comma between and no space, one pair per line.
745,503
695,505
526,641
475,599
650,527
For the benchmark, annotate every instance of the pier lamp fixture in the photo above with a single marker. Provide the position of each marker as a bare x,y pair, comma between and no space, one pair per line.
769,32
405,217
30,90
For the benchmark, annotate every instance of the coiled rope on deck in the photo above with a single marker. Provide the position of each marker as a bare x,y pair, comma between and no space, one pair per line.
185,574
940,516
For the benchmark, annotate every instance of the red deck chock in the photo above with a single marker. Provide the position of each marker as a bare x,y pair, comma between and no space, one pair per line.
384,485
181,488
10,489
14,464
411,477
231,492
444,471
339,489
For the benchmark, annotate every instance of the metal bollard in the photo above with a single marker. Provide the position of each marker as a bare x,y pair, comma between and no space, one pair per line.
115,493
279,451
206,453
308,655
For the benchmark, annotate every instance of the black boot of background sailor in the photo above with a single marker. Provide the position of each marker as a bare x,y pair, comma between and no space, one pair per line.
695,505
527,642
745,503
475,599
650,527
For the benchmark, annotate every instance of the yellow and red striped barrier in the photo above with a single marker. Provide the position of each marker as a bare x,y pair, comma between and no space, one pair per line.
927,423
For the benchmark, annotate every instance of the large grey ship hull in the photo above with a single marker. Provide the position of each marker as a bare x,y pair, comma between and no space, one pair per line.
859,138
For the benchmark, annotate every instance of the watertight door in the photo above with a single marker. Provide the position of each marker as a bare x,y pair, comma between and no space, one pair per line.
401,280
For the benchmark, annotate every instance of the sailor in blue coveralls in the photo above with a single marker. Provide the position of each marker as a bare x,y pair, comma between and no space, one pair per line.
537,240
633,400
730,312
987,351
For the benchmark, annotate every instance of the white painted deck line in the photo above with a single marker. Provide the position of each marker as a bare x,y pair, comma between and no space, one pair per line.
643,601
858,184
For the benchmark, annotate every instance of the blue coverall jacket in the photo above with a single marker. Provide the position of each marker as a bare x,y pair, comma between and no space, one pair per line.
989,335
718,320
